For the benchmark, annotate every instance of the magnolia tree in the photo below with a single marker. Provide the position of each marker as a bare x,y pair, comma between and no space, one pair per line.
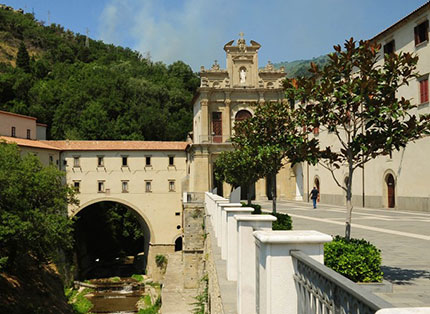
354,99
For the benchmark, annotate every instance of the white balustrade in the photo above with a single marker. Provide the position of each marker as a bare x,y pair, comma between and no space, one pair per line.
232,238
246,262
224,227
275,286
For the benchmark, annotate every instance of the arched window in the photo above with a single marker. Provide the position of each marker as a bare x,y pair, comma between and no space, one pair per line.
391,184
178,244
242,115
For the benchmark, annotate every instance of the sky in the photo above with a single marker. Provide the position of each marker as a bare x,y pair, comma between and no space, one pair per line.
195,31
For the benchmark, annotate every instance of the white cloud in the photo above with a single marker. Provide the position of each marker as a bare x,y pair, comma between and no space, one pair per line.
189,30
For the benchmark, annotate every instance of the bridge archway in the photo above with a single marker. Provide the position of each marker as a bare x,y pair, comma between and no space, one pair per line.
112,239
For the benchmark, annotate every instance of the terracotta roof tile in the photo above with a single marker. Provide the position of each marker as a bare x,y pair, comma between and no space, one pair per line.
28,143
98,145
17,115
117,145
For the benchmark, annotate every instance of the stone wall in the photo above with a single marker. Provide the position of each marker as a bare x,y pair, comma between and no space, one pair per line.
194,235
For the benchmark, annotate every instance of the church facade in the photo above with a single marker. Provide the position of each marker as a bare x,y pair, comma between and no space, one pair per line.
224,97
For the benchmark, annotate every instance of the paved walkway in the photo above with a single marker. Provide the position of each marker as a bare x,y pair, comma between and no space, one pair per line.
402,236
176,299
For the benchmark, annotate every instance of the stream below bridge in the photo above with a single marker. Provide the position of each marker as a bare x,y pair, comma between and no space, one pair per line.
109,297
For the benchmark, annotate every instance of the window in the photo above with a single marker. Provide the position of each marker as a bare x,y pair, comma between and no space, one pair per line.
171,160
421,33
13,132
217,127
76,162
125,161
100,161
316,130
76,185
124,185
424,90
101,186
147,160
171,185
28,134
389,48
148,187
51,159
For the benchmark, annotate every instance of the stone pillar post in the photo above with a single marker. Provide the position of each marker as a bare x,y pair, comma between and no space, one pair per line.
217,216
276,290
246,262
232,238
224,227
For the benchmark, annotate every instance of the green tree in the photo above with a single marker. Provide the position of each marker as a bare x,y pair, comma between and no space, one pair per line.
33,208
22,58
275,135
353,99
240,167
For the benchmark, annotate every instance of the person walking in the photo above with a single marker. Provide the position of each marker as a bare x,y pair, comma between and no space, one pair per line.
314,195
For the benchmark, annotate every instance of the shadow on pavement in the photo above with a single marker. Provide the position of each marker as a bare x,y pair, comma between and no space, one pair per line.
403,276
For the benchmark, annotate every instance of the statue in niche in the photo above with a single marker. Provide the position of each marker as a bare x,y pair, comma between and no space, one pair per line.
242,75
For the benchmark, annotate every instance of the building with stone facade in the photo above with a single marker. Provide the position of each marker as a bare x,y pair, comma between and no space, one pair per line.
398,181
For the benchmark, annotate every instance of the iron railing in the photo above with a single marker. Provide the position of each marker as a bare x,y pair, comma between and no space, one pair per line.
320,290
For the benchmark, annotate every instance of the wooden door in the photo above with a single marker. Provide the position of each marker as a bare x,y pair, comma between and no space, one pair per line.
391,191
217,127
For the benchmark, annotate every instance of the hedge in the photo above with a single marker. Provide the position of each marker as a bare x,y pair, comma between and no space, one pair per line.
356,259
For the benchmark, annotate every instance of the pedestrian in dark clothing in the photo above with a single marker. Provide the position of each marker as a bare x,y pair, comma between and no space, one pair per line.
314,195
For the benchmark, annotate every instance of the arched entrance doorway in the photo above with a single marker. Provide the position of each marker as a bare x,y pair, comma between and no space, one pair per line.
111,239
390,185
317,185
178,244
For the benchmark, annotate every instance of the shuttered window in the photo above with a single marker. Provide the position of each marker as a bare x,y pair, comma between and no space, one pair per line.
424,90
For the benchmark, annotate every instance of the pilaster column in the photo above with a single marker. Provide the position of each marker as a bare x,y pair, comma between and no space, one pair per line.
228,117
276,289
204,120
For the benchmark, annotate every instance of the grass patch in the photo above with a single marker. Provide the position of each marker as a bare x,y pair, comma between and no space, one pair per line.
137,277
115,279
80,304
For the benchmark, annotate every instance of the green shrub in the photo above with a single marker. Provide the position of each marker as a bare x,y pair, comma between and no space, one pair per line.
257,208
137,277
356,259
283,222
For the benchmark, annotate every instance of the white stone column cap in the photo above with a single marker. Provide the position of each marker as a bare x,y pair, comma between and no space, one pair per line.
292,236
410,310
239,209
230,205
255,218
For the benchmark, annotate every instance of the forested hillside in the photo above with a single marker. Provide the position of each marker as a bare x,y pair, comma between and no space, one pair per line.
301,67
85,89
